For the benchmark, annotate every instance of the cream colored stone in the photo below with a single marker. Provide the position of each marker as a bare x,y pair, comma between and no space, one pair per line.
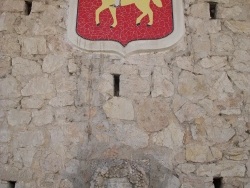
222,44
32,102
39,86
29,139
66,184
9,88
19,117
161,84
119,108
228,13
214,63
5,66
241,80
25,156
131,135
202,153
171,137
187,168
133,85
42,117
189,112
52,163
72,67
185,63
200,10
106,86
4,136
241,61
33,46
62,99
201,46
38,7
24,67
6,21
193,87
65,83
238,26
153,115
13,6
52,63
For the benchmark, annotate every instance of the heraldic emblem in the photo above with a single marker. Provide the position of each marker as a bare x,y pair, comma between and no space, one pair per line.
124,26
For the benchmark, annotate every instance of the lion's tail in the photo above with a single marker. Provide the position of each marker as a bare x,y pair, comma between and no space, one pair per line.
158,3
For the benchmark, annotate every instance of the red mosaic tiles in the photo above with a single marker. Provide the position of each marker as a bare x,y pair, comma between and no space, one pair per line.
126,29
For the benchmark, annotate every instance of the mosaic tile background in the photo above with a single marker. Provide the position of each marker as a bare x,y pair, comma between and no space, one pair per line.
126,30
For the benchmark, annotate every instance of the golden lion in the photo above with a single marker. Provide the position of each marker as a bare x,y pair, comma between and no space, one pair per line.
142,5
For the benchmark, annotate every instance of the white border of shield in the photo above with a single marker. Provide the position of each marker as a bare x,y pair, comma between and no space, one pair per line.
132,47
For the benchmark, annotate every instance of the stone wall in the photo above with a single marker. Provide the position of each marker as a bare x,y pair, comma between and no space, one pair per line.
184,111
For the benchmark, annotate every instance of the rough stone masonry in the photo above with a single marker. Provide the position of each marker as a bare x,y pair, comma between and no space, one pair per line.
181,119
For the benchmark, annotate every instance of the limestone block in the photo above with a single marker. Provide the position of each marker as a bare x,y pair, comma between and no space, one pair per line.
241,80
9,88
210,107
34,45
187,168
106,86
193,87
66,184
201,46
122,69
25,155
119,108
198,25
42,117
202,153
38,7
243,42
11,45
161,84
29,139
62,99
5,135
6,21
185,63
219,134
24,67
4,184
72,166
200,10
65,83
174,182
248,168
13,6
189,112
134,85
153,115
241,61
4,154
236,154
18,117
222,44
213,63
38,86
171,137
213,26
131,135
228,13
52,63
223,169
52,163
5,65
32,102
72,67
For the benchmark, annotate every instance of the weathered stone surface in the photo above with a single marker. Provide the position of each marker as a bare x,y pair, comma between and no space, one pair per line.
241,61
13,6
189,112
72,67
222,44
202,153
6,21
62,99
5,66
119,108
236,154
52,163
42,117
118,183
201,46
53,62
200,10
238,26
39,86
32,102
64,82
171,137
19,117
24,67
187,168
4,135
65,184
223,169
131,135
240,80
106,86
131,86
191,86
228,13
214,63
29,139
9,88
25,156
161,84
34,45
152,115
185,63
38,7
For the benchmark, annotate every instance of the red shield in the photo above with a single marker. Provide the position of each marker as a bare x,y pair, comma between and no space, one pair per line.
126,29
